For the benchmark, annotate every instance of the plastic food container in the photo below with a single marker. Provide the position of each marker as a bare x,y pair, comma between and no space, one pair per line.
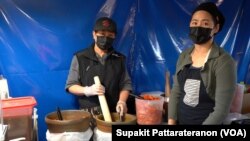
149,111
17,114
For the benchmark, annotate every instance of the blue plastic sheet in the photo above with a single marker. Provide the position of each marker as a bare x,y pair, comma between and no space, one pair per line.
38,39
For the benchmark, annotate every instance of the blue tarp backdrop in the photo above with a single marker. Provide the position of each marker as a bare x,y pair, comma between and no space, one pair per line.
39,37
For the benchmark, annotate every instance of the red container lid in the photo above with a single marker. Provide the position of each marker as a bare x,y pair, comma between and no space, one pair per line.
16,107
18,102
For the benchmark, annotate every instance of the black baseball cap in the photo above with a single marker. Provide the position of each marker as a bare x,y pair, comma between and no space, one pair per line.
105,23
211,8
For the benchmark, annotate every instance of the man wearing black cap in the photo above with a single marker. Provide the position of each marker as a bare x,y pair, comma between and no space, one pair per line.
205,78
100,59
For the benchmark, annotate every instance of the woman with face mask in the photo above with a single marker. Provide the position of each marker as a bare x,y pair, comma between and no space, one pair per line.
205,78
100,59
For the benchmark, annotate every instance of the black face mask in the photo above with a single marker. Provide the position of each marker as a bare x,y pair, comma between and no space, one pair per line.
200,35
104,43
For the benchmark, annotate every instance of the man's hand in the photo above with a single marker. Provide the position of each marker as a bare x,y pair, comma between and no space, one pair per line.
121,108
95,89
171,121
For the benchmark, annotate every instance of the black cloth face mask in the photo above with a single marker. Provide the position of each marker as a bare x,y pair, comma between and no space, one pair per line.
200,35
104,43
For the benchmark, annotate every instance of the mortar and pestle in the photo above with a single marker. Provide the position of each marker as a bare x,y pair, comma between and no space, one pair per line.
68,121
106,120
106,126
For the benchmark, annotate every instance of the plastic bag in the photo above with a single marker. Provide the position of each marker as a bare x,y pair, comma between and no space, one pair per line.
233,117
69,136
237,100
101,136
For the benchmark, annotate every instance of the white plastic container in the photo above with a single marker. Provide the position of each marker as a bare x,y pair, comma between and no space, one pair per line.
4,89
3,131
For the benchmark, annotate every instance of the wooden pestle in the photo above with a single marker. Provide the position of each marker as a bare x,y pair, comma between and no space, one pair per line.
103,103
